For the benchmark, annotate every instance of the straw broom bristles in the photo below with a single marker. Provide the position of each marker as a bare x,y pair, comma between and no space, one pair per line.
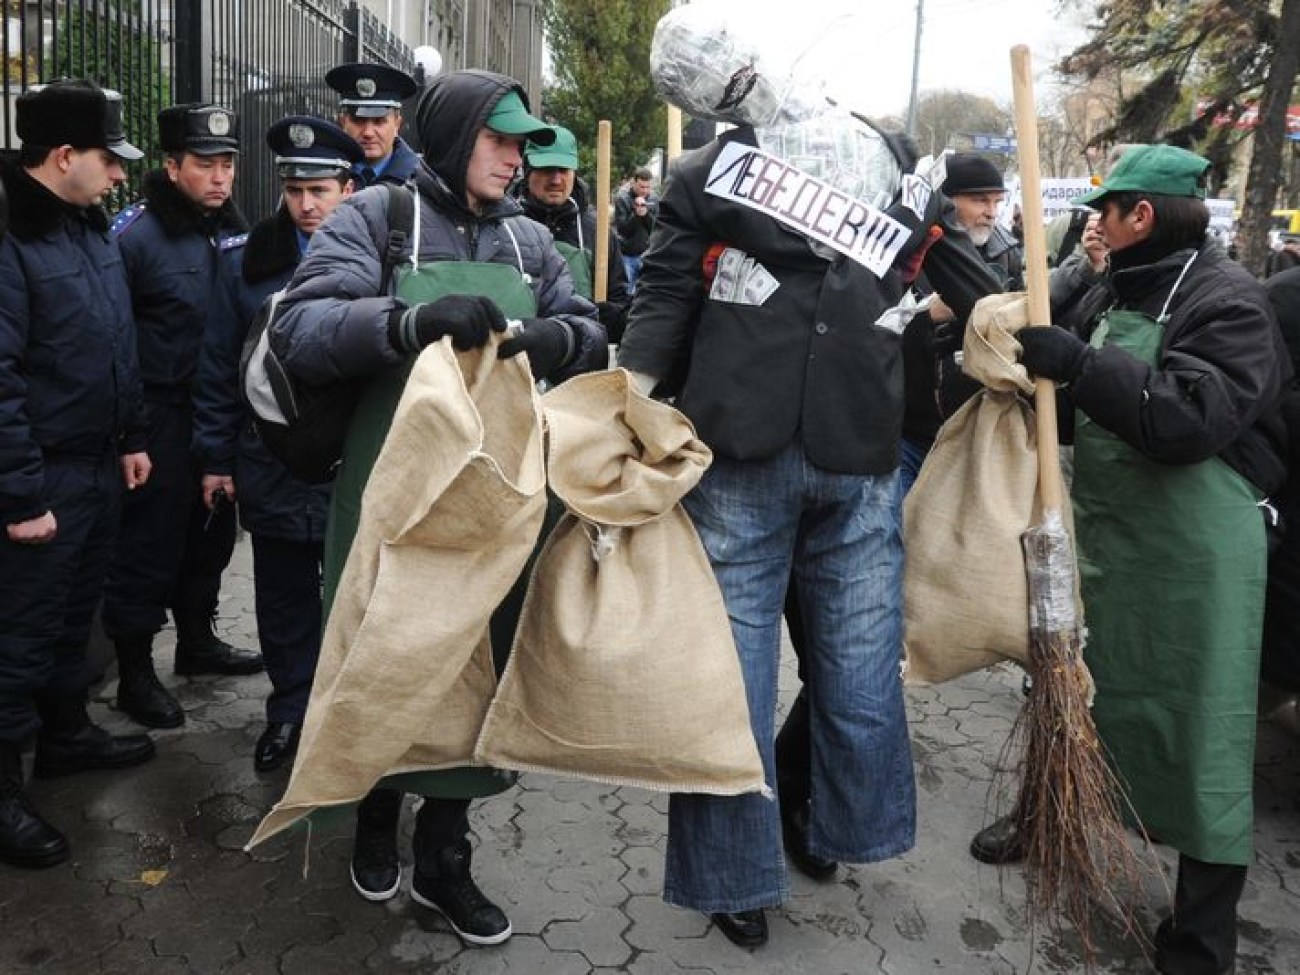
1078,854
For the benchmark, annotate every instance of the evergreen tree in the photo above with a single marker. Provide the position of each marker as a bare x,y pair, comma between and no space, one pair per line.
600,53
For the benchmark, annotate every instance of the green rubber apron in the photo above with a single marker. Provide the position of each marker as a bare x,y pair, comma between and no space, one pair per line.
1172,567
508,287
579,262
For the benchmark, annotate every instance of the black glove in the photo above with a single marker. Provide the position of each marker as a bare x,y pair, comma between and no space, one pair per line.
614,318
1053,353
468,319
548,342
948,338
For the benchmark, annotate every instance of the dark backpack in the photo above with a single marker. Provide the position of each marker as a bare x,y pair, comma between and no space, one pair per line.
304,425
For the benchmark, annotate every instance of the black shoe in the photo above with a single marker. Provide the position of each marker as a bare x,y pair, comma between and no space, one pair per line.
449,889
90,748
794,831
27,840
277,745
141,696
745,928
207,653
376,869
999,843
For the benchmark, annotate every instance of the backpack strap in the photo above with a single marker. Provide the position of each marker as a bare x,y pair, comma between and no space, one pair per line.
401,221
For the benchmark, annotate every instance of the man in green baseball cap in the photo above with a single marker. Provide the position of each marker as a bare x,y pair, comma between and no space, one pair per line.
1166,170
1175,377
511,117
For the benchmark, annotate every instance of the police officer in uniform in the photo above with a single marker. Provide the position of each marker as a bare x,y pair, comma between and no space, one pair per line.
370,111
284,516
71,436
172,548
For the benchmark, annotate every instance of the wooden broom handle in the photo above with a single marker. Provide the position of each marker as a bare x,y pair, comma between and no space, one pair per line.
1050,489
600,282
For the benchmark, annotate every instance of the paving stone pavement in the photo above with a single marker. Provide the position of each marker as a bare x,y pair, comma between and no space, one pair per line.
159,882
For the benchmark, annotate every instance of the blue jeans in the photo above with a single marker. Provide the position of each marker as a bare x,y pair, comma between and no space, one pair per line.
911,455
840,532
632,269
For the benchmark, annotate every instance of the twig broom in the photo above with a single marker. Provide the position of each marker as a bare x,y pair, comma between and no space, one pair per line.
1069,813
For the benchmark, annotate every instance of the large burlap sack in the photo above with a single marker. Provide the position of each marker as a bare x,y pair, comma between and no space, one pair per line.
450,514
965,595
623,668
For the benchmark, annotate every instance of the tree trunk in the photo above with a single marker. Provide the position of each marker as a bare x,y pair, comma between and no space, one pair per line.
1270,136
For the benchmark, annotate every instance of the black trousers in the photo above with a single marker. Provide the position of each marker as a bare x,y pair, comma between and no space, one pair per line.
287,591
1200,938
48,595
168,553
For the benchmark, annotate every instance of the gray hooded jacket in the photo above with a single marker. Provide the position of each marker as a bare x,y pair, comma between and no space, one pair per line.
333,323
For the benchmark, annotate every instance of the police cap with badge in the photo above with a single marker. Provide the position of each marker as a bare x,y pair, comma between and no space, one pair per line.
73,113
204,130
312,148
370,90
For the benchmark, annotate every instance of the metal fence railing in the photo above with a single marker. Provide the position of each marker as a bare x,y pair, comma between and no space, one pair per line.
262,58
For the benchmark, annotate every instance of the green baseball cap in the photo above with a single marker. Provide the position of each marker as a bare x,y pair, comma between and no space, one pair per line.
1165,170
510,117
562,153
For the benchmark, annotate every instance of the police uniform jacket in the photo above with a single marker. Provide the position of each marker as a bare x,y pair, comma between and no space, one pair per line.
272,502
171,249
69,386
334,324
402,165
808,363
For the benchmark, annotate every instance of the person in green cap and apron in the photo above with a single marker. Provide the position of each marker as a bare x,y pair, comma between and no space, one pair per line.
553,195
475,261
1176,384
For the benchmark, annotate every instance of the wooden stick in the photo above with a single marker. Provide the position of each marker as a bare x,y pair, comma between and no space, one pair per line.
673,147
600,282
1050,488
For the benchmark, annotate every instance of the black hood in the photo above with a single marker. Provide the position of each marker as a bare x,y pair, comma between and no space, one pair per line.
448,118
179,215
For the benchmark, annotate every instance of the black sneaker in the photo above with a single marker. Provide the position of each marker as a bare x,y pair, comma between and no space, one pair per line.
451,891
376,869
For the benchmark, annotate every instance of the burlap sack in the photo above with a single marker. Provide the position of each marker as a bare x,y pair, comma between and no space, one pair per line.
965,597
623,669
451,511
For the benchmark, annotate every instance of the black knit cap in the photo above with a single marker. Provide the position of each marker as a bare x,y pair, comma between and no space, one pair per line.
73,113
969,173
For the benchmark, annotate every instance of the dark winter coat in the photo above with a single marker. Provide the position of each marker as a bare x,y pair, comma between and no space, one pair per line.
402,165
334,322
809,363
633,230
69,384
172,252
1223,367
574,222
271,501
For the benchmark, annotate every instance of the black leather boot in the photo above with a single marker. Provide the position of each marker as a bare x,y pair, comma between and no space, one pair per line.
200,651
442,878
140,694
60,751
26,840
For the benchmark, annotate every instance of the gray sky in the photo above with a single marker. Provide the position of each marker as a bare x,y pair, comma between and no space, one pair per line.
965,44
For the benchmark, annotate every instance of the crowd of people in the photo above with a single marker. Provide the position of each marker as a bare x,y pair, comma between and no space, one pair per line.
128,454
